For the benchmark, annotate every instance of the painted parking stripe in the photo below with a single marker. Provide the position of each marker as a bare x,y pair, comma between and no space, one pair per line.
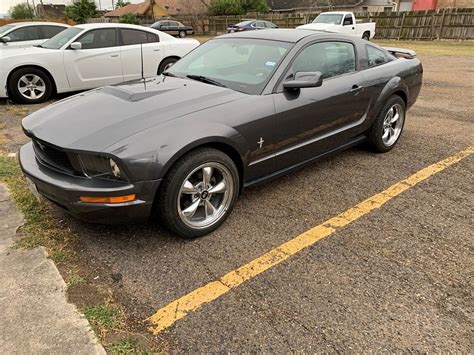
178,309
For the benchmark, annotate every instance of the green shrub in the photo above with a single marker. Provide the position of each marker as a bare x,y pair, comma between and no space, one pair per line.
81,10
129,18
21,11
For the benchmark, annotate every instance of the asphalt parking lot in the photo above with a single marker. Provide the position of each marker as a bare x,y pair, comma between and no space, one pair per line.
397,279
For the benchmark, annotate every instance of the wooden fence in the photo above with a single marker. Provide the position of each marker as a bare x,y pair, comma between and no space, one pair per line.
419,25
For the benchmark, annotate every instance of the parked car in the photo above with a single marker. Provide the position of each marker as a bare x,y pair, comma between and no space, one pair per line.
236,111
85,57
341,22
26,34
173,28
251,25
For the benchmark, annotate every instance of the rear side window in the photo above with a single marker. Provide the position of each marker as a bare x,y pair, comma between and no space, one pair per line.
29,33
376,56
329,58
102,38
347,20
130,37
152,38
51,31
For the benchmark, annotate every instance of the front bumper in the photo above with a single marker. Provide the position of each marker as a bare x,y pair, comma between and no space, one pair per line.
65,191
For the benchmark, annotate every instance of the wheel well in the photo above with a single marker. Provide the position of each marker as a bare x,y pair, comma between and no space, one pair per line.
36,67
403,96
170,57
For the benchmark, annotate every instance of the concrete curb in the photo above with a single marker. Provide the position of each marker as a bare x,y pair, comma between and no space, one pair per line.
36,317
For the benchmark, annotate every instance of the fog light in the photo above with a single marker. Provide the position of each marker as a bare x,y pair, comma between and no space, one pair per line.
109,199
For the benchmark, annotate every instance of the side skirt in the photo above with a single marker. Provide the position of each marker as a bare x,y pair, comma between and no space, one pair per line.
306,162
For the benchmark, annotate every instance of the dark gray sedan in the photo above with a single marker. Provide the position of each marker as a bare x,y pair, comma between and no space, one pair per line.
236,111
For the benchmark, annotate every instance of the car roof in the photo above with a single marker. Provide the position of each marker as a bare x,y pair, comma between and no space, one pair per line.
111,24
42,23
277,34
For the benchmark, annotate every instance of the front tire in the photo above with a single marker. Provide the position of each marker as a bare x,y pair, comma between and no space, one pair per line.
388,126
29,86
198,193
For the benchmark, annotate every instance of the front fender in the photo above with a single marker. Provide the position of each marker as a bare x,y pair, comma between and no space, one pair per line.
160,147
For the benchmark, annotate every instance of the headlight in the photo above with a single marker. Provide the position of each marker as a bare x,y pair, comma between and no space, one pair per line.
96,166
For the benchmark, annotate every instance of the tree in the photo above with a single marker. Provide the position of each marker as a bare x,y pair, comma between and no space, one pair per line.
255,6
21,11
121,3
129,18
81,10
225,7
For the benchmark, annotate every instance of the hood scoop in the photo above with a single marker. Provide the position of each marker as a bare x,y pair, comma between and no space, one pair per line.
126,95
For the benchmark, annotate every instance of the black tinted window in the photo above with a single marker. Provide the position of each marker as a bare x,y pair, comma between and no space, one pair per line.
329,58
102,38
376,56
152,38
348,20
51,31
130,37
29,33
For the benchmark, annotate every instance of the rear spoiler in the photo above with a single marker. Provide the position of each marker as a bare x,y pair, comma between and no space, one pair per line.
401,52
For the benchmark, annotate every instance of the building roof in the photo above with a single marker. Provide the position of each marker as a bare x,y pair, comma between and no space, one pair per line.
168,7
139,9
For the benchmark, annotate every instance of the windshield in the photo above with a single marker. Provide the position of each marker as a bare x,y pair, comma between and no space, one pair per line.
4,29
242,64
328,18
61,38
243,23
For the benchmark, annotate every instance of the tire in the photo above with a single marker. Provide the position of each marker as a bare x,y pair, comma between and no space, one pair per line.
366,36
39,82
185,195
182,34
165,64
383,135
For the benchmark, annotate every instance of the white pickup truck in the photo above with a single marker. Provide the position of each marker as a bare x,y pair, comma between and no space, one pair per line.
341,22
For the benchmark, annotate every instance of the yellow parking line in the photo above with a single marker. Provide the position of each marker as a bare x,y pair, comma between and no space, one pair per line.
168,315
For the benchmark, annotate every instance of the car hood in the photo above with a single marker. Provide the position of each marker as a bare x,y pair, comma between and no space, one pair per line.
18,51
94,120
317,26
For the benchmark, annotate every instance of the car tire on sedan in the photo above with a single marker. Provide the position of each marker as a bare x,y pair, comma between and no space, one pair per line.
30,86
388,126
198,193
182,34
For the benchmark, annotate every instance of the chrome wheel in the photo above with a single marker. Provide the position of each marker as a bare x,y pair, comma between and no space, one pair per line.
31,86
205,195
393,124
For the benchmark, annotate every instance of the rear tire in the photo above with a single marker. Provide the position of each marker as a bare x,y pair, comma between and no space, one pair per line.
366,36
198,193
388,126
182,34
165,64
29,86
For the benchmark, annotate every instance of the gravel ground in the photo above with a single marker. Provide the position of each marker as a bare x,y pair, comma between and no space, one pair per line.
399,279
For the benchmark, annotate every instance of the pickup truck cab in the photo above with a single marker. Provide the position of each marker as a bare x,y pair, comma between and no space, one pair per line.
341,22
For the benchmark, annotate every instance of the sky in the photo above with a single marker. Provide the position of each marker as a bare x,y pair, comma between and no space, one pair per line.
6,4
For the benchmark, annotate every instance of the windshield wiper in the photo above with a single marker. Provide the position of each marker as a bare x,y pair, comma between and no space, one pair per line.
205,79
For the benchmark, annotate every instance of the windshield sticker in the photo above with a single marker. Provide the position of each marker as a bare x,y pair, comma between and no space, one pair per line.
270,64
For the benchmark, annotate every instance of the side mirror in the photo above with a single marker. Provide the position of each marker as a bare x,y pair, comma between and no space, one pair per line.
5,39
304,80
76,45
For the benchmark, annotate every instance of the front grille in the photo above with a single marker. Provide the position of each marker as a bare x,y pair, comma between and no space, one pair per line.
53,157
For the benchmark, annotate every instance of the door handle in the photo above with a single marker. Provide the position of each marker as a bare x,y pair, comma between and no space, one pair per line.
156,50
356,89
114,55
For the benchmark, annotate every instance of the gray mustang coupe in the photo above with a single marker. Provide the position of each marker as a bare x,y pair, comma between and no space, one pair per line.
238,110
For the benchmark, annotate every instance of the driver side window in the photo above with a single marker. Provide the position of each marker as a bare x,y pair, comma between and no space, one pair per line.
329,58
29,33
102,38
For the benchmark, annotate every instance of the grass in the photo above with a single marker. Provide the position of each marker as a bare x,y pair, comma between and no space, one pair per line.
438,48
73,278
104,317
127,346
16,110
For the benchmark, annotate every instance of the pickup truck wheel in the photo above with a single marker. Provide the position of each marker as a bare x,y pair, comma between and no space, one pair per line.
29,86
182,34
198,193
366,36
388,126
166,64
